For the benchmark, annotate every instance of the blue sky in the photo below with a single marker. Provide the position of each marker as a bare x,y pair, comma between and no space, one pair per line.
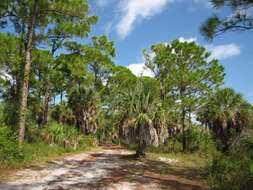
137,24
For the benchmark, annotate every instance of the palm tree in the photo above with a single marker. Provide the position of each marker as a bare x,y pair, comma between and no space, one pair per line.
138,108
63,114
226,113
85,104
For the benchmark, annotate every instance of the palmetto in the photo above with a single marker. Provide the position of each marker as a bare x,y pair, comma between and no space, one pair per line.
85,103
139,106
226,113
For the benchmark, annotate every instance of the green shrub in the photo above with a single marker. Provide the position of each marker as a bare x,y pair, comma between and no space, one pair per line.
37,149
59,132
63,114
1,112
9,152
86,142
67,136
231,173
10,113
41,151
246,147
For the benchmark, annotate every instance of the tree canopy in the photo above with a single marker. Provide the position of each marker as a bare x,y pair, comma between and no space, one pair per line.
185,71
227,114
239,20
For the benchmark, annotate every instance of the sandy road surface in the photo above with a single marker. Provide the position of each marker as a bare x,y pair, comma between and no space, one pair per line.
110,169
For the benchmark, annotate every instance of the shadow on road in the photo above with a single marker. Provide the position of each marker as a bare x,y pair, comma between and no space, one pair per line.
114,165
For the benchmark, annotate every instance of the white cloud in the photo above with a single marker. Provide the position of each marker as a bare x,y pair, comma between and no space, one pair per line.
139,69
137,9
223,51
108,28
217,52
182,39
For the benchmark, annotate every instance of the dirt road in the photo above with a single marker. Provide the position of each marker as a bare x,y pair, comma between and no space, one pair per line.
110,169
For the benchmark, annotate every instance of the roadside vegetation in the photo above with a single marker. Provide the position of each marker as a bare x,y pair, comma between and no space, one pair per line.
42,145
55,102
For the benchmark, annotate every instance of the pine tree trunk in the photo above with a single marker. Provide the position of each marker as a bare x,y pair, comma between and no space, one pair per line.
183,125
119,135
61,96
190,120
26,79
48,92
162,91
47,100
183,117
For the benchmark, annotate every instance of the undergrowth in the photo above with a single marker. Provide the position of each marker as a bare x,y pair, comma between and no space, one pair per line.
233,171
56,140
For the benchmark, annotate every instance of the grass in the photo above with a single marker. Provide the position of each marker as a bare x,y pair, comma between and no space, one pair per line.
39,154
195,160
189,165
41,144
205,164
43,152
198,159
186,161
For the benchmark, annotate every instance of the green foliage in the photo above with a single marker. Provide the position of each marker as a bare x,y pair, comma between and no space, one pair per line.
59,132
106,127
1,112
246,147
34,22
122,78
239,20
209,28
198,139
83,98
63,114
9,152
10,114
233,170
87,142
231,173
42,144
140,106
185,74
139,100
86,104
226,113
102,96
185,70
41,151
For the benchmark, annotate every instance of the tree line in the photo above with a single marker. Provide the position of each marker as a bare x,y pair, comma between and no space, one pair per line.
44,59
